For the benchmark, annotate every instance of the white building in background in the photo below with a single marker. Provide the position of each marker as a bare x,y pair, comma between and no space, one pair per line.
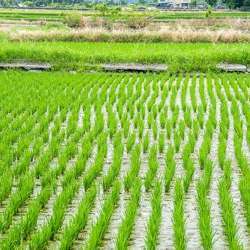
173,3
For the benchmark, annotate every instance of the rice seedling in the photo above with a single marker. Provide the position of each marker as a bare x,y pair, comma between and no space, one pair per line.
170,167
48,231
163,119
206,144
80,220
222,152
6,184
152,167
61,132
202,94
200,116
155,130
131,141
95,169
175,116
244,188
141,128
22,230
128,221
145,143
227,209
178,217
187,117
169,128
153,225
204,206
192,91
161,142
177,141
114,168
135,163
24,190
99,228
183,95
189,175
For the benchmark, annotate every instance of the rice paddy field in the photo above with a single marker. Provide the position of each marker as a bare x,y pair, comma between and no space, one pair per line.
51,15
57,15
124,161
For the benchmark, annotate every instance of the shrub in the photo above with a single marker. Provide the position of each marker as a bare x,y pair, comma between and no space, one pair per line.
137,23
73,20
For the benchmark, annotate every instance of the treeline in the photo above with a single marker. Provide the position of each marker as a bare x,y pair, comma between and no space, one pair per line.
231,4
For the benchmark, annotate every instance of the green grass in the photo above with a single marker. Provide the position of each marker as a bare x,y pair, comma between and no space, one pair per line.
36,14
75,55
173,15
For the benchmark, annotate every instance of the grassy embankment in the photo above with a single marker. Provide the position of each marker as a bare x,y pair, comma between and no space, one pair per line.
76,56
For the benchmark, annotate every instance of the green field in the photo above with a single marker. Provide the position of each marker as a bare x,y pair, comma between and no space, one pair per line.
98,160
178,56
57,15
168,15
117,161
31,15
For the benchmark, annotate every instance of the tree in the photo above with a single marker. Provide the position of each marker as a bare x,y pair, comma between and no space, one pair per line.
103,8
211,2
247,3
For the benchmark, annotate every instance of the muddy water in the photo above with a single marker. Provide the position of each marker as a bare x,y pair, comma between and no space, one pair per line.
68,216
83,236
139,233
115,222
166,229
191,206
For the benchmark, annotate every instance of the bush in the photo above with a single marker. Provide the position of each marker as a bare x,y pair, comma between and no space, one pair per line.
137,23
247,3
208,12
73,20
103,8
